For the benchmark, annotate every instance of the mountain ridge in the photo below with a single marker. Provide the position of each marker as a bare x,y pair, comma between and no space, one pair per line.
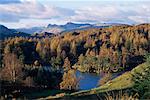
69,26
6,32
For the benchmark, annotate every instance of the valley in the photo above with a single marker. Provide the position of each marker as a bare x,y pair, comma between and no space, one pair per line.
88,63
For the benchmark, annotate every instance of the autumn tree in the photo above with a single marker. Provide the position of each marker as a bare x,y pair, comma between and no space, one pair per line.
40,49
54,44
67,65
124,56
115,39
7,49
70,81
56,63
59,50
73,48
81,59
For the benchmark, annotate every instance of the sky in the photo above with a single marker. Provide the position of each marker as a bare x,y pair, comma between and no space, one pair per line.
32,13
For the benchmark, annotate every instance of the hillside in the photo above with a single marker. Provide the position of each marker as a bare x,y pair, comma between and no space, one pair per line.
5,32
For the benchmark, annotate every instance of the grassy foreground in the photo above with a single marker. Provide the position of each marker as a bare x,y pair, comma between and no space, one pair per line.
123,81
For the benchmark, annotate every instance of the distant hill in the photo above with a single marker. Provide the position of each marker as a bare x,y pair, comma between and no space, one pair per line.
75,26
5,32
51,28
67,27
31,30
56,29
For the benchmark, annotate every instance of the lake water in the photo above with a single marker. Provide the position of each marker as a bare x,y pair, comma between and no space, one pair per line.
87,80
90,80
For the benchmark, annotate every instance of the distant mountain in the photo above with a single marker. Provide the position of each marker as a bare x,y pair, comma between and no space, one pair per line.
56,29
53,28
5,32
71,25
67,27
31,30
50,30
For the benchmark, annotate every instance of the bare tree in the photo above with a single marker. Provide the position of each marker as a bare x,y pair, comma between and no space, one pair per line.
12,70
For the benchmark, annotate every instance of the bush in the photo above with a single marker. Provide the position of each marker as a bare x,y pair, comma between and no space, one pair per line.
142,84
105,79
147,58
118,95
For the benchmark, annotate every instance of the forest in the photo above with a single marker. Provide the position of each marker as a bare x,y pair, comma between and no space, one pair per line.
50,62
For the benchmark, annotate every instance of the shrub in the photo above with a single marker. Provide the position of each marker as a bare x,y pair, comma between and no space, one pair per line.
105,78
147,58
142,84
120,95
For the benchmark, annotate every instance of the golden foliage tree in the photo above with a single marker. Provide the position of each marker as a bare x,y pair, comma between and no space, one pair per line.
70,81
81,59
67,65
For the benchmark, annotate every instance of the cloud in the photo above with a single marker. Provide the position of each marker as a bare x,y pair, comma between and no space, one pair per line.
127,13
95,13
139,19
9,1
7,17
31,10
